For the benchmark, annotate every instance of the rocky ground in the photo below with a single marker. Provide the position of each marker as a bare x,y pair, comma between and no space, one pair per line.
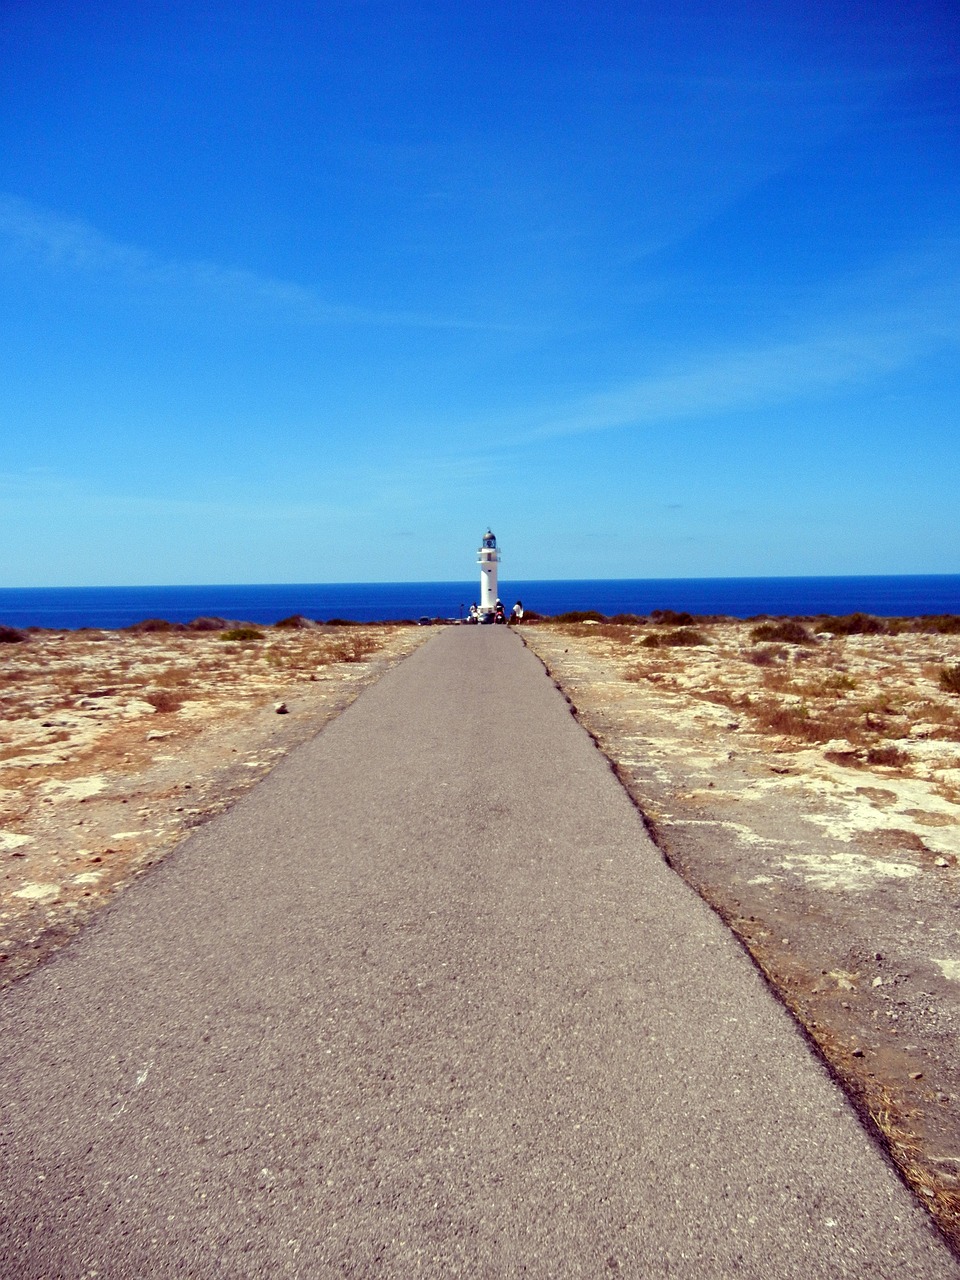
809,789
113,744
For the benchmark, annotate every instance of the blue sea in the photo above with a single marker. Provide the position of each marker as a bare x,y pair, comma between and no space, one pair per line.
112,607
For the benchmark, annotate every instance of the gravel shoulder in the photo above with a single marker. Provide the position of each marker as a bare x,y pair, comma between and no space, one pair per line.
114,745
811,797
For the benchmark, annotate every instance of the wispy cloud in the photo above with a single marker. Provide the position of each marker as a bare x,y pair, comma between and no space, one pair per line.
345,491
95,498
730,381
846,352
60,243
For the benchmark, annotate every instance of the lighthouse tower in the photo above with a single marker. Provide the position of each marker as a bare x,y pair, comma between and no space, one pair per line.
488,557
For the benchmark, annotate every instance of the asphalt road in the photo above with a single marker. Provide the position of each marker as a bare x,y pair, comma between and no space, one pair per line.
427,1002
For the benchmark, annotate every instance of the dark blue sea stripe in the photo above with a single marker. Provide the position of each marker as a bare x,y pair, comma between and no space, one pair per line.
113,607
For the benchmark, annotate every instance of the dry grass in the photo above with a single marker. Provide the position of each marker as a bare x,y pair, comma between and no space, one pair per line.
806,693
354,647
87,678
618,634
173,676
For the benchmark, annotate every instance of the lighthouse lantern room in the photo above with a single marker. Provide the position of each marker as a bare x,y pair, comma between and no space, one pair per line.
488,557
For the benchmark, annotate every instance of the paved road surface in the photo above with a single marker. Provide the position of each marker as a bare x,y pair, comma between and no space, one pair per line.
428,1003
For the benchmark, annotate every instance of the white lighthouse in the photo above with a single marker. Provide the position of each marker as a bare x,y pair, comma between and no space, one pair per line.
488,557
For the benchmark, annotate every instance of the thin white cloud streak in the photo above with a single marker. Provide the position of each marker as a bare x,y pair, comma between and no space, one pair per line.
88,497
343,495
820,81
843,355
732,381
60,243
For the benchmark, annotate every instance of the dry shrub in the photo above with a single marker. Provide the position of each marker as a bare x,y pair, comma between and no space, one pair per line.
207,624
581,615
950,679
889,755
940,624
10,635
852,624
680,638
831,686
799,721
765,657
296,622
352,648
779,681
164,700
155,624
787,630
840,682
669,618
173,677
793,721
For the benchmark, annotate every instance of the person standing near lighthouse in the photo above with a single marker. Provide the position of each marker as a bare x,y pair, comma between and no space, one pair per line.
488,557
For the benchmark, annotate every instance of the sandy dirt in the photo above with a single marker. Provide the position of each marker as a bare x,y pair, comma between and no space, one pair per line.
811,793
113,745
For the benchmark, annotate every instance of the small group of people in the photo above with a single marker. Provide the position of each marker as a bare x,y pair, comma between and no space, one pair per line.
499,615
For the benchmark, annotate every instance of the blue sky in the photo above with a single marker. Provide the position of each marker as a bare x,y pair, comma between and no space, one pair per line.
315,292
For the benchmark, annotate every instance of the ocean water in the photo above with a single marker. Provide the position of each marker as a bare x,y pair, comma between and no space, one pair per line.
112,607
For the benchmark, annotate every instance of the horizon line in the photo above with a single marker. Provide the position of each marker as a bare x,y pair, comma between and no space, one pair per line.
434,582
